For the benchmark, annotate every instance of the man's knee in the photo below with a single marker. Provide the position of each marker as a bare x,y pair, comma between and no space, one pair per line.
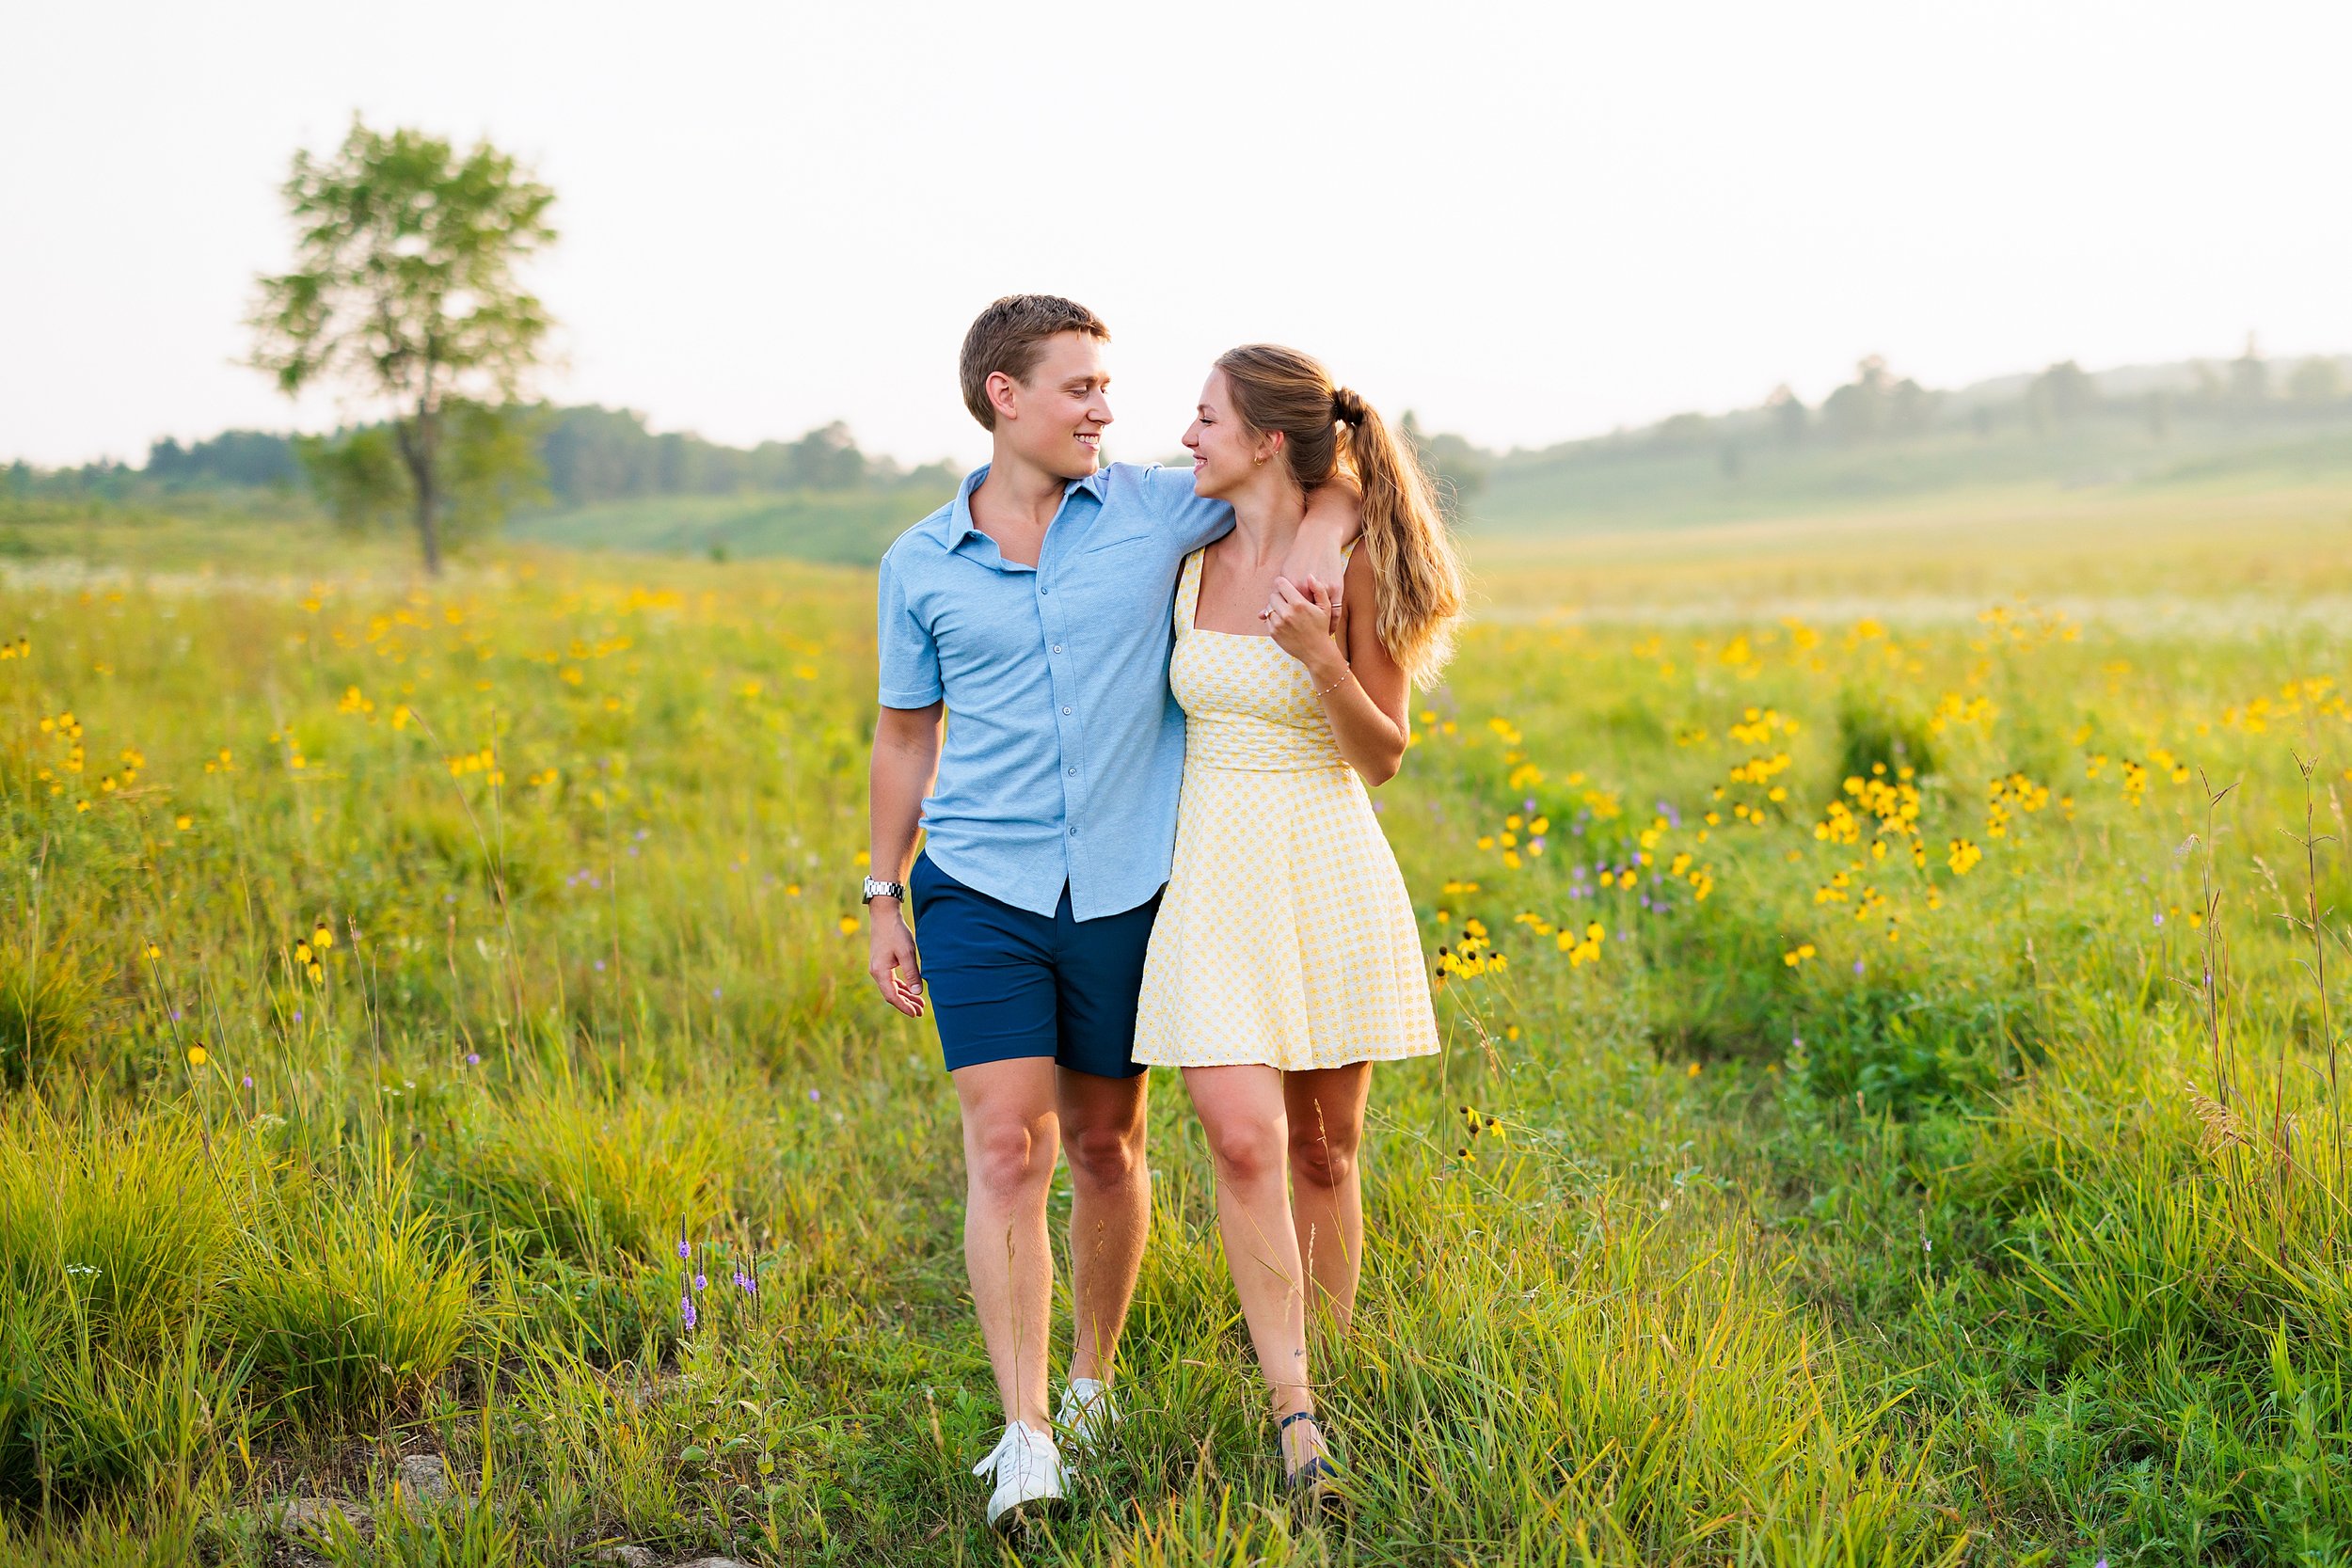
1106,1156
1011,1156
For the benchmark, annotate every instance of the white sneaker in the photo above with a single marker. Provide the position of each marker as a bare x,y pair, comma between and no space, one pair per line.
1086,1412
1028,1471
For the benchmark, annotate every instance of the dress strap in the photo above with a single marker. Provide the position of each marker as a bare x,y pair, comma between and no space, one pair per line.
1189,591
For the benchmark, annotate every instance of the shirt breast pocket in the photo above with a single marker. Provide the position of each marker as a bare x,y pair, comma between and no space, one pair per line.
1122,582
1139,542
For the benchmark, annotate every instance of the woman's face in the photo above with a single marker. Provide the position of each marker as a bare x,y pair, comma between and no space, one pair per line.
1225,451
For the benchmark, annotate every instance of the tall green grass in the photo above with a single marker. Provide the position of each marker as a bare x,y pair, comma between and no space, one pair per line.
1918,1246
346,1299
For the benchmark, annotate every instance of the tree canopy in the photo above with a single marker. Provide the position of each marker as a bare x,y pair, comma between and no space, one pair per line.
404,294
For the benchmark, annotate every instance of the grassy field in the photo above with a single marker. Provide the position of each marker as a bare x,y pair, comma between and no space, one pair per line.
1888,1115
849,528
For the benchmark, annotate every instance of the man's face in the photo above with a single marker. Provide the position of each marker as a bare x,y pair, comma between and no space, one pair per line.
1055,418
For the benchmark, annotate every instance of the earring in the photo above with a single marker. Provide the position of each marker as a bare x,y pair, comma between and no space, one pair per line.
1260,462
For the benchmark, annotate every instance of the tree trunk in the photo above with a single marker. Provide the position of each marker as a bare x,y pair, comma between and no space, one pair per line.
417,449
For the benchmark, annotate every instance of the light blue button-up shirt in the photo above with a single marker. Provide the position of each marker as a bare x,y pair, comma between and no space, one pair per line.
1064,747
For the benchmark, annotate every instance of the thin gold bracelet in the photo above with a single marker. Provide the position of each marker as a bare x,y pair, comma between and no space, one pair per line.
1335,685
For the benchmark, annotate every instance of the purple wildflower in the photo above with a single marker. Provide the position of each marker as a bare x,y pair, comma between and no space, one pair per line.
686,1311
473,1058
684,1252
2159,919
1857,966
1528,805
814,1095
745,1283
700,1283
248,1080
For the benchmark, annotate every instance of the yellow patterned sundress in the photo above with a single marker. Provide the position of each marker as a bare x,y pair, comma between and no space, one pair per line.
1285,936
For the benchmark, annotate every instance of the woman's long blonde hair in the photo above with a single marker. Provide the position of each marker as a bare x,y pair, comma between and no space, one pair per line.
1417,578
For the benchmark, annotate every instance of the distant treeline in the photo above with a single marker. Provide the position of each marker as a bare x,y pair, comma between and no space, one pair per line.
594,455
1880,434
1879,405
588,455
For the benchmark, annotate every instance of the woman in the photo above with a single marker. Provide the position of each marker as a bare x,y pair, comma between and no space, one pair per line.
1286,959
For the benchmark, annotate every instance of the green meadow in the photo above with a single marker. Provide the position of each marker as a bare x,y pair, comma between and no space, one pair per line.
1891,956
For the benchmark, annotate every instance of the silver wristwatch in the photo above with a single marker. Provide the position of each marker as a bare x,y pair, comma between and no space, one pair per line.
875,889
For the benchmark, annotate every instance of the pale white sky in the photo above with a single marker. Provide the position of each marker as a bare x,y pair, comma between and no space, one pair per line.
1526,221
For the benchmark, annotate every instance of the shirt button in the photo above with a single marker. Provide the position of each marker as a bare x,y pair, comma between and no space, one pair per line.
1057,647
1074,772
1074,832
1042,589
1065,710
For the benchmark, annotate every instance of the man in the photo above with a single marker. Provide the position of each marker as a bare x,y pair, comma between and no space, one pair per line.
1035,609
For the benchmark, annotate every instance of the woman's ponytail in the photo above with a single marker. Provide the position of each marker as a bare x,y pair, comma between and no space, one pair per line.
1417,578
1414,567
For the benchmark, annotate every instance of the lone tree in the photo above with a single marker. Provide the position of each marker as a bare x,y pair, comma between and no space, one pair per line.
404,291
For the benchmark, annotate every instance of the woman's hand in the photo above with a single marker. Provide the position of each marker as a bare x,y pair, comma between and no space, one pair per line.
1302,623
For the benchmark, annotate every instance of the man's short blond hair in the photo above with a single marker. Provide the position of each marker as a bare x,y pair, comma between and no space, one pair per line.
1011,336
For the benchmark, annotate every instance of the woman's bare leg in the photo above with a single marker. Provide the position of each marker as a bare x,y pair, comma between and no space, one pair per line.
1325,1112
1242,1111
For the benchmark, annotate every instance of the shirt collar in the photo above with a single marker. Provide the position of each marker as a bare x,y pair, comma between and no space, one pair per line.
960,524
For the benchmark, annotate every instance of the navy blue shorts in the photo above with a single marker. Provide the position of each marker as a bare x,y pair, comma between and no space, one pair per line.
1006,983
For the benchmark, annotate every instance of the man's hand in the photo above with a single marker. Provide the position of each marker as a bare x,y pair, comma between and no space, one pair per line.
906,757
891,958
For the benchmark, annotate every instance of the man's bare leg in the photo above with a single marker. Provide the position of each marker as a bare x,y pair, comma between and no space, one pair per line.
1103,1123
1010,1141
